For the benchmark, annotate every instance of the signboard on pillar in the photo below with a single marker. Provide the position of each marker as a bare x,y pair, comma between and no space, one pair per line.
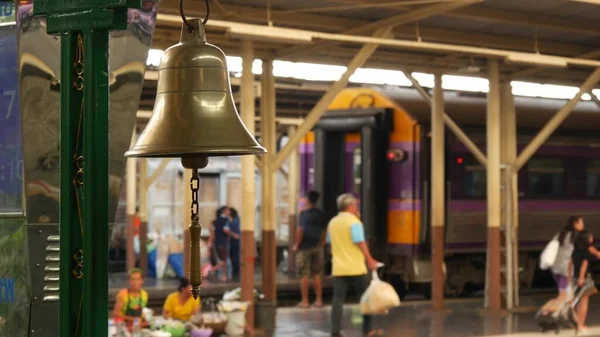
7,13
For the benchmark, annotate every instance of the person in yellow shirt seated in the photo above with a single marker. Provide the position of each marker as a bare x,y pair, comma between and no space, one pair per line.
180,305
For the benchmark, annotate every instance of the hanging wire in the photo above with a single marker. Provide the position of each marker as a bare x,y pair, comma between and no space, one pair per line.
269,21
189,25
536,46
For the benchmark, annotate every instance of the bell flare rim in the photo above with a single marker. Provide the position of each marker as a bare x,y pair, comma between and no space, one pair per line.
183,152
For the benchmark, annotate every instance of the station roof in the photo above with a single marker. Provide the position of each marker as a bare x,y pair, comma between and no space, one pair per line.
553,27
566,28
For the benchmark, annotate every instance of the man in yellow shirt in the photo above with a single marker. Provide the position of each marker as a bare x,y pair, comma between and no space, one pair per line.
349,252
181,305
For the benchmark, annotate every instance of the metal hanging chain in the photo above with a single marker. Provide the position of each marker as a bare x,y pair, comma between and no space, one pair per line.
189,25
194,186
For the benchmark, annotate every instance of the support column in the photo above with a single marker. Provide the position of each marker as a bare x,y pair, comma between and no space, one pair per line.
71,235
95,182
293,191
437,194
143,215
493,186
269,242
131,201
510,197
83,158
248,212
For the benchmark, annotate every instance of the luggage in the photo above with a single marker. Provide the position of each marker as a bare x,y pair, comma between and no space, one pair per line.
556,314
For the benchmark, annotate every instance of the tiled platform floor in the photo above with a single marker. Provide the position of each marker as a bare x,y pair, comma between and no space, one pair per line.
463,318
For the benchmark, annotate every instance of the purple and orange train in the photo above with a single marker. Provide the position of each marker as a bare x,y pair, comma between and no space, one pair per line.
375,143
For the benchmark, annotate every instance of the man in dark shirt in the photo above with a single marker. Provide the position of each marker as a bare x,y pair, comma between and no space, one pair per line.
221,243
310,238
234,244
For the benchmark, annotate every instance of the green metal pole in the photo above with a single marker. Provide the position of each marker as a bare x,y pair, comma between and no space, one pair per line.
71,286
84,28
95,182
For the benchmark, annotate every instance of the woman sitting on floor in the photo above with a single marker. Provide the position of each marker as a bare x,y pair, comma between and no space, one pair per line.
131,301
181,305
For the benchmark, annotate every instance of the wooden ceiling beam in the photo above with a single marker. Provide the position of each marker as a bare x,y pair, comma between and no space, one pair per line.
258,15
526,19
489,40
534,70
395,20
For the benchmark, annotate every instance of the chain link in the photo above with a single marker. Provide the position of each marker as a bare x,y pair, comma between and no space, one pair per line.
194,186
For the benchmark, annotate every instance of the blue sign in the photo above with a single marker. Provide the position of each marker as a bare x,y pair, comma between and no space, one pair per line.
11,158
7,12
7,290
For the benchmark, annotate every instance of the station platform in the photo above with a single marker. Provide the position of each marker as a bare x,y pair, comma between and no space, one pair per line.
461,318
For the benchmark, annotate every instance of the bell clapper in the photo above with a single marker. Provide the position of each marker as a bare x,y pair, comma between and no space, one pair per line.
194,163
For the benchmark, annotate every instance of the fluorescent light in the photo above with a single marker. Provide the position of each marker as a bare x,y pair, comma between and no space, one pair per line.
330,73
537,59
593,2
267,33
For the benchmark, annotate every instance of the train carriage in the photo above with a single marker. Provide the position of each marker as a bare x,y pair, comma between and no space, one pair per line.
375,144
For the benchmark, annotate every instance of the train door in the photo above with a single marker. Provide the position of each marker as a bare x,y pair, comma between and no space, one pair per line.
366,169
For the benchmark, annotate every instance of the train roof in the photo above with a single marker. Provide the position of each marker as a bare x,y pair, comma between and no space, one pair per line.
469,109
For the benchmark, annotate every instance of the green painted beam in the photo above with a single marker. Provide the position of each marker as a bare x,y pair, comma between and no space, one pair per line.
84,27
95,183
71,288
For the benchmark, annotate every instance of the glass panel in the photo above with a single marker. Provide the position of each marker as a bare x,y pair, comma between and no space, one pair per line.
281,207
475,181
208,198
356,171
234,193
11,160
593,178
545,177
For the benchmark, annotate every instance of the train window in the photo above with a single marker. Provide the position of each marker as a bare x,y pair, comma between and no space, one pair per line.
475,181
593,178
545,177
356,170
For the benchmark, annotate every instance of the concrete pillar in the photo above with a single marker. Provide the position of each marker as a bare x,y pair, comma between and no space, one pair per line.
248,212
510,190
293,191
269,242
131,191
437,193
493,186
143,215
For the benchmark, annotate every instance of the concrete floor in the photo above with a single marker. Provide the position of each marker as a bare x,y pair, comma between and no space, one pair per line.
462,318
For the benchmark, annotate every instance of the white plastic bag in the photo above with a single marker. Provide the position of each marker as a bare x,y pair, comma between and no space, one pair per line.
379,297
549,254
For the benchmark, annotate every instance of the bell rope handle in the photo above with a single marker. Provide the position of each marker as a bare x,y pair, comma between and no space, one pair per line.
189,25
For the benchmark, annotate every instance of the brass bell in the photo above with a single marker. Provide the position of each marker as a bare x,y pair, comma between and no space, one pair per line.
194,118
194,111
